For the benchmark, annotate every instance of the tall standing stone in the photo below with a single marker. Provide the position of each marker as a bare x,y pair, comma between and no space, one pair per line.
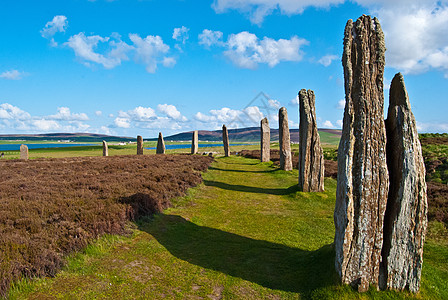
311,155
139,145
265,140
225,140
284,140
160,145
105,149
406,213
23,152
362,184
194,142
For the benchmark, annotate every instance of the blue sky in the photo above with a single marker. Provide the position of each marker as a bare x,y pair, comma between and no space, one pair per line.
129,67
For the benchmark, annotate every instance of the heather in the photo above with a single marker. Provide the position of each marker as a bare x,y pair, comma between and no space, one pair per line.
52,207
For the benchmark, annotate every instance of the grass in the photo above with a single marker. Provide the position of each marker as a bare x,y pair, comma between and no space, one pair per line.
245,233
327,138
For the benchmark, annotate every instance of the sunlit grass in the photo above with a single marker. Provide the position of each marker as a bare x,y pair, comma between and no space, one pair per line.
245,233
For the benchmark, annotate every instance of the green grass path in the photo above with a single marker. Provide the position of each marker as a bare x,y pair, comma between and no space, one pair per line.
245,233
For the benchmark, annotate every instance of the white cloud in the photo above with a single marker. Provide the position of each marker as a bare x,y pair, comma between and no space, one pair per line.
245,50
341,104
169,62
84,46
46,125
171,112
149,50
209,38
122,122
339,123
327,60
181,34
225,114
259,9
99,113
58,24
145,117
274,103
8,111
65,114
416,30
140,113
254,113
161,123
416,35
295,101
328,124
13,118
432,127
13,75
203,118
249,116
105,130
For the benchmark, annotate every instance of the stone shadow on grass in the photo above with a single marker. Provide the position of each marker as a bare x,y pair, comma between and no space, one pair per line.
252,189
242,171
271,265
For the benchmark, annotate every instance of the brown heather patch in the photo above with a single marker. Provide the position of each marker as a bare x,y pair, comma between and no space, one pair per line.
52,207
437,201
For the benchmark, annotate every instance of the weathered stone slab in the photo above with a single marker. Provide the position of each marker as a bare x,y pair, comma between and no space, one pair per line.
160,145
405,220
265,140
225,140
284,140
362,183
194,142
24,152
311,156
105,149
139,145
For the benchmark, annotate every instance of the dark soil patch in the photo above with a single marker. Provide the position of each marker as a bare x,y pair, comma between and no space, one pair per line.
331,167
52,207
434,141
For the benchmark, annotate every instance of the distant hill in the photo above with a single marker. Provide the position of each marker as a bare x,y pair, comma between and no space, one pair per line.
76,137
251,134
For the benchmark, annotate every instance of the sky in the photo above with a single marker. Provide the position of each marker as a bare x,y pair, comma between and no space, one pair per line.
139,67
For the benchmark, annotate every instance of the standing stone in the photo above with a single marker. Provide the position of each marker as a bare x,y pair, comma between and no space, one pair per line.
363,181
139,145
311,155
23,152
194,143
160,145
265,140
225,140
405,220
284,140
105,149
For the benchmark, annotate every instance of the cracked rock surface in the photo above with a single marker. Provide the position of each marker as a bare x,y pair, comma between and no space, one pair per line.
311,156
362,183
